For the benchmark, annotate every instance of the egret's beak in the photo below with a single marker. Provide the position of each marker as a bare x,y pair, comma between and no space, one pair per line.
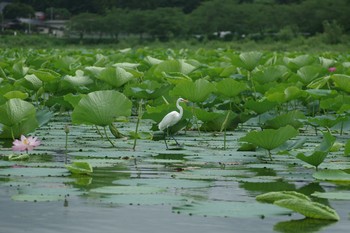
186,101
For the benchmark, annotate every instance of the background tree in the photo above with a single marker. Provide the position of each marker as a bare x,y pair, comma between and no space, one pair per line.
115,22
165,23
85,23
16,10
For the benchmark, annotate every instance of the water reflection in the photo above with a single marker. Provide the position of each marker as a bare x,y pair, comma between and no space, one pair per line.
306,225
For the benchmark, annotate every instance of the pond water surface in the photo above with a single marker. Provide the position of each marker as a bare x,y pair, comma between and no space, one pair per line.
197,188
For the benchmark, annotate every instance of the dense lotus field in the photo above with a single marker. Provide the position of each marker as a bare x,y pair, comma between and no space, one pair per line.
264,140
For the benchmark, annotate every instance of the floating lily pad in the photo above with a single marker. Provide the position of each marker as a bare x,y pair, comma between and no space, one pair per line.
333,195
144,199
332,175
80,167
37,198
308,208
271,197
127,190
230,209
164,183
33,172
299,203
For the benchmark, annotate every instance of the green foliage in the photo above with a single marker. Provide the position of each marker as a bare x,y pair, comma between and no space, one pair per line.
270,138
18,117
101,108
80,168
300,203
332,175
197,91
320,152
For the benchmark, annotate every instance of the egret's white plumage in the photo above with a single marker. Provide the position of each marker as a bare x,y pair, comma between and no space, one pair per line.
171,118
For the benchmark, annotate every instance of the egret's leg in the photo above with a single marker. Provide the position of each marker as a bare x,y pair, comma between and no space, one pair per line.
175,140
165,140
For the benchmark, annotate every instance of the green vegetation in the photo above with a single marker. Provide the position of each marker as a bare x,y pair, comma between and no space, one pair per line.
274,101
228,20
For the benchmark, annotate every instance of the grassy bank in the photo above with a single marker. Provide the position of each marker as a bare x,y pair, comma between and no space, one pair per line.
312,44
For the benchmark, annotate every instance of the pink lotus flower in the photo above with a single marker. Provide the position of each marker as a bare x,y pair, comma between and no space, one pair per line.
25,144
332,69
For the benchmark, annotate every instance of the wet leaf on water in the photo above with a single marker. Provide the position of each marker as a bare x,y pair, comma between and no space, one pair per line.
143,199
271,197
230,209
308,208
80,167
127,190
33,172
164,183
332,175
332,195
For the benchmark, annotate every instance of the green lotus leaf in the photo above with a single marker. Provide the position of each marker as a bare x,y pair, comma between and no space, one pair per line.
16,95
332,175
144,199
18,157
270,74
318,82
28,125
127,190
34,81
73,99
309,73
342,81
148,89
298,62
164,183
33,172
291,118
152,61
250,60
304,225
79,167
309,209
78,80
271,197
260,106
45,75
37,198
229,209
230,87
15,111
270,138
101,108
320,152
173,66
332,195
197,91
115,76
326,62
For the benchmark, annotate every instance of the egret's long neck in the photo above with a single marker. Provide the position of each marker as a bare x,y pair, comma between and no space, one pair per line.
181,111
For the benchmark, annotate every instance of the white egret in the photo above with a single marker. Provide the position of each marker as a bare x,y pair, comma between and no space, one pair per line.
171,119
